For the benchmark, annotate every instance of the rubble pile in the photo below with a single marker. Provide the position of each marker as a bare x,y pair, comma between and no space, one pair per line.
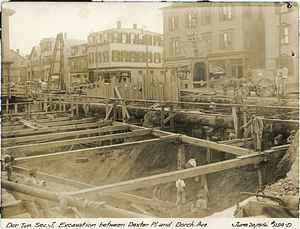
284,187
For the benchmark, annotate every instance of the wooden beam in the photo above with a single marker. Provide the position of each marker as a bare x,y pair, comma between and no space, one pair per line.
109,112
40,146
120,97
169,177
51,178
150,202
214,145
62,135
53,129
102,149
168,118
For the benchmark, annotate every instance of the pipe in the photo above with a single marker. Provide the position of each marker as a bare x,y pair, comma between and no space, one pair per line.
107,211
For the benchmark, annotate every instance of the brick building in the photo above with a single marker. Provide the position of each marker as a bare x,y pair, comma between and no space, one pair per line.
121,53
205,39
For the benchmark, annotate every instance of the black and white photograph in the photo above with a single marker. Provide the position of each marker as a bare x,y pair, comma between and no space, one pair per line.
149,114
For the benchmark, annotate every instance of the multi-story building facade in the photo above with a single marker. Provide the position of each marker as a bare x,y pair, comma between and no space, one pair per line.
47,48
282,39
35,71
78,63
125,53
202,39
18,69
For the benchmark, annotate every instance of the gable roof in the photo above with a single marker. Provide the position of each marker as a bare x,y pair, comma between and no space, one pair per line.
37,49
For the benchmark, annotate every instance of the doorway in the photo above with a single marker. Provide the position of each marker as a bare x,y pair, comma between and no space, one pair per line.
199,74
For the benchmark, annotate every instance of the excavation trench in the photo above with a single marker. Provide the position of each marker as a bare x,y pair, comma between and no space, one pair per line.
112,166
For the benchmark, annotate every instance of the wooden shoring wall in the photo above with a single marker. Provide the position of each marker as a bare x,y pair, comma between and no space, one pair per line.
152,89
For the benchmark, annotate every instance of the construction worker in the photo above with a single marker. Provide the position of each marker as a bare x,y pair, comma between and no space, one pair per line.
180,185
30,202
201,205
281,81
256,126
290,139
157,192
192,164
7,160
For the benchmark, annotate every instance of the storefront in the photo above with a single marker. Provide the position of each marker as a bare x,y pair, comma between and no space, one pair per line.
119,74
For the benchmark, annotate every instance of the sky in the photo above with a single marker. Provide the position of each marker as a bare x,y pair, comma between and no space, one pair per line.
35,20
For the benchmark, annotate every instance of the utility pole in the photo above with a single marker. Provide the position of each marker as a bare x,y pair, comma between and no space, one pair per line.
146,54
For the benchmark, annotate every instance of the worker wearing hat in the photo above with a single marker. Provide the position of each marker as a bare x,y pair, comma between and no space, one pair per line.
30,202
290,139
6,163
180,185
256,127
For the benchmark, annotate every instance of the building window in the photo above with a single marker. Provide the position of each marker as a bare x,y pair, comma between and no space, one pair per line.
259,13
260,41
207,37
141,57
152,72
105,37
132,38
174,47
125,56
162,72
157,58
150,57
248,40
83,49
115,56
91,58
206,19
157,41
226,12
284,35
115,38
124,38
133,56
105,56
84,64
98,39
226,40
78,64
72,64
188,20
140,72
173,22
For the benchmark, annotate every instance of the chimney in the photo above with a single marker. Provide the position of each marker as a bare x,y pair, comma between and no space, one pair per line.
135,26
65,36
18,51
119,25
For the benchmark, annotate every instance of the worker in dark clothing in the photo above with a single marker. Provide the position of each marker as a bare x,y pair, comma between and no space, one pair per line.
7,160
256,127
30,202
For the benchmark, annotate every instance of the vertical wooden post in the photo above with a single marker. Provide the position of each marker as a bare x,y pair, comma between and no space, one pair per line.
123,111
50,102
16,108
84,105
106,105
115,110
72,106
208,152
162,118
235,122
45,104
244,122
7,105
260,176
223,137
77,107
172,120
59,103
180,156
29,109
64,107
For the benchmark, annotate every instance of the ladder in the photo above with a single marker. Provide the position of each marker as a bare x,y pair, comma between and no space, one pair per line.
59,46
